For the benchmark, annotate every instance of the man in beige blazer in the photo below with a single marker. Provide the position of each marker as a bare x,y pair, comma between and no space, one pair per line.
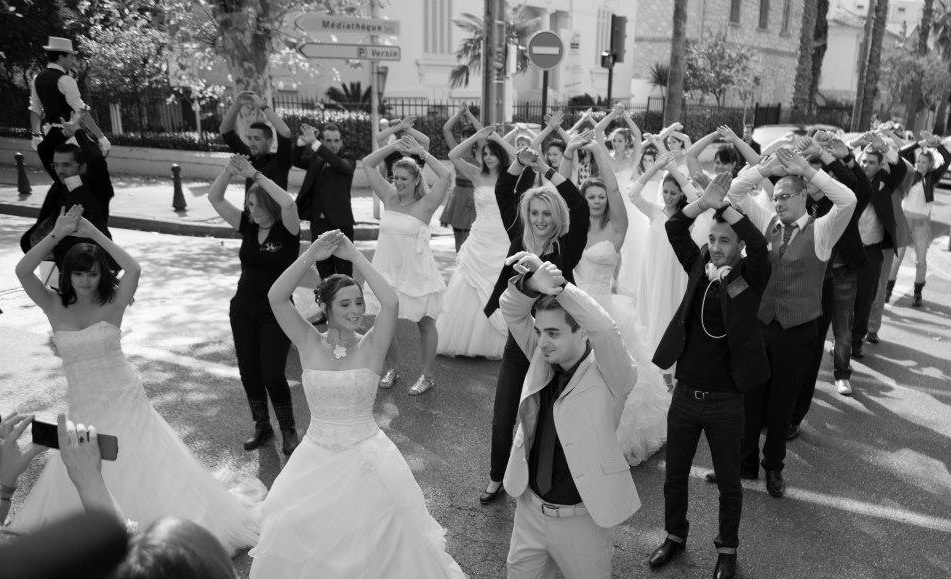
566,468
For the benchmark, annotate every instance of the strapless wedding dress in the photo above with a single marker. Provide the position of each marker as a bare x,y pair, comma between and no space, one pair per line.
346,504
463,328
643,427
155,474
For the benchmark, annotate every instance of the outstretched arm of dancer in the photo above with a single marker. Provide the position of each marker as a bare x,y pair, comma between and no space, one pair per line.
635,193
678,226
437,193
571,148
383,189
617,213
552,124
380,336
292,323
216,196
605,122
26,267
449,124
458,154
274,191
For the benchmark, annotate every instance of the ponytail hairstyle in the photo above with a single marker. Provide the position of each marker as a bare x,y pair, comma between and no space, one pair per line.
597,182
409,164
559,217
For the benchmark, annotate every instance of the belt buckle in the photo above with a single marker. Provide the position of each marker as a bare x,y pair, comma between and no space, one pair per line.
550,510
699,395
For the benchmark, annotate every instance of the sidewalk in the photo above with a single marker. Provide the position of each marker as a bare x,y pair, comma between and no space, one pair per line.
145,204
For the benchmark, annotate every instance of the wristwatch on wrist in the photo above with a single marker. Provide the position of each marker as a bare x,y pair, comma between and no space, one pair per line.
550,173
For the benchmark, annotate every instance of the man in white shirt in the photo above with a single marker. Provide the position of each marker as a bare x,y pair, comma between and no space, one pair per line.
800,248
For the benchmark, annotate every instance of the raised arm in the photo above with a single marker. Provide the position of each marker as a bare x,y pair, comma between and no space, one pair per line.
216,196
25,269
571,148
231,115
617,212
437,193
509,147
340,163
702,143
635,193
272,117
383,189
380,336
129,281
274,191
584,120
458,154
552,123
449,124
605,122
406,126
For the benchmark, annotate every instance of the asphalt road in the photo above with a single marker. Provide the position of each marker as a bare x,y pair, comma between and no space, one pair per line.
869,486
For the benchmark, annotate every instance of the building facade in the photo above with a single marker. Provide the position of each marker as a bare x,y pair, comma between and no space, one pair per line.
769,28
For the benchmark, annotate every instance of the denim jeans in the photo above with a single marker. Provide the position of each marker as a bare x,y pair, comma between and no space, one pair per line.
866,286
722,422
878,304
843,308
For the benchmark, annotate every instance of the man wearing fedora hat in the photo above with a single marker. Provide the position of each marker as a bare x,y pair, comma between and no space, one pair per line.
55,101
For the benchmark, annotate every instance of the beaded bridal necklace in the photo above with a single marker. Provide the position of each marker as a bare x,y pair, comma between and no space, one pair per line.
339,348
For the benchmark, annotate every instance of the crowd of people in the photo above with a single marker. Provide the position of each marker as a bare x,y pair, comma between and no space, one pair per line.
633,298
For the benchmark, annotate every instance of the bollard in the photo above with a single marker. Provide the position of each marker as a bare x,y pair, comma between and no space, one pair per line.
23,181
178,198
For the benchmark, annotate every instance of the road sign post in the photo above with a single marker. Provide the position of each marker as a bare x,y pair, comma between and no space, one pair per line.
545,50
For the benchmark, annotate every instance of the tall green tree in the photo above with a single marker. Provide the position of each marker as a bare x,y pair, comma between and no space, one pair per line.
673,108
714,66
942,42
518,30
873,67
803,82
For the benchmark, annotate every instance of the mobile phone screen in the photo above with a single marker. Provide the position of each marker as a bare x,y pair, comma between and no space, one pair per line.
45,434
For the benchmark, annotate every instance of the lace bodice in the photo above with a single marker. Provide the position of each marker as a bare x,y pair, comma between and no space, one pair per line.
341,406
594,274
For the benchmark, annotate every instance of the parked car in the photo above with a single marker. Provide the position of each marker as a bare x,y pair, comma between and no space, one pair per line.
767,135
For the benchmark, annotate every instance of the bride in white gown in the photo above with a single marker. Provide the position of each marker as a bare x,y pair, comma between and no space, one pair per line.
463,328
643,427
346,504
154,475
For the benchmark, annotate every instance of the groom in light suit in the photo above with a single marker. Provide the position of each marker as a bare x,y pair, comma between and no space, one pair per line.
566,468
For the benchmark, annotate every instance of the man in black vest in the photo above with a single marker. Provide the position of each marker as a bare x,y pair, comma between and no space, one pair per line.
715,340
800,249
324,197
55,101
260,136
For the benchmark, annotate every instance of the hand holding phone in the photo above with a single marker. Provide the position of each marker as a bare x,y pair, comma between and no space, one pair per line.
46,434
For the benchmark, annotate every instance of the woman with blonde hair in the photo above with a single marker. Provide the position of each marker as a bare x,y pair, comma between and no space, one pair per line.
553,224
403,255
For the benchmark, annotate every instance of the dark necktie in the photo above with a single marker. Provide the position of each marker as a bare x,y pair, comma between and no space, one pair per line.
548,437
787,235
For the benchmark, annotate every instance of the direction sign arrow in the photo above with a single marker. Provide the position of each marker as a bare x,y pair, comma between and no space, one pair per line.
350,51
317,22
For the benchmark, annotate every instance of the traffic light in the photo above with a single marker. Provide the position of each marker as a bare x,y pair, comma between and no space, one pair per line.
607,60
618,36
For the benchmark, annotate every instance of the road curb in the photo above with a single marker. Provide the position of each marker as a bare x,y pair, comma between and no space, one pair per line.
361,231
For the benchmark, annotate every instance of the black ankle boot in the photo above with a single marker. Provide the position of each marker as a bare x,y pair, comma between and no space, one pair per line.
889,286
290,440
916,303
263,432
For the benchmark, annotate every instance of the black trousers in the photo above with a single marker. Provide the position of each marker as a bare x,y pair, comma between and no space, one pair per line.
866,288
334,264
773,403
261,347
47,148
722,422
508,391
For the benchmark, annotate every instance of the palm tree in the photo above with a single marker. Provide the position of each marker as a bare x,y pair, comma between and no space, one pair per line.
659,76
673,108
518,30
873,68
350,96
942,42
807,34
820,43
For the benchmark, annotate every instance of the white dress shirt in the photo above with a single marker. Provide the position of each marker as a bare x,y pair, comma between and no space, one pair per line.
828,228
67,85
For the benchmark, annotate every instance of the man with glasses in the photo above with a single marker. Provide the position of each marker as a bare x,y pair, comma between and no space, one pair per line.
800,248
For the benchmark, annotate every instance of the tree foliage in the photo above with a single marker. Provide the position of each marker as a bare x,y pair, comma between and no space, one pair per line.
517,31
903,68
714,66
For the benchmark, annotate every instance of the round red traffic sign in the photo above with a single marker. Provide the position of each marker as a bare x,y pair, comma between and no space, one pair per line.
545,49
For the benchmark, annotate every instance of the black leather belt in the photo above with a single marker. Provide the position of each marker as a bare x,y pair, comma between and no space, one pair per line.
698,394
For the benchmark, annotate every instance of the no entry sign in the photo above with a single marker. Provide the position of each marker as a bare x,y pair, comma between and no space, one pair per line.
545,49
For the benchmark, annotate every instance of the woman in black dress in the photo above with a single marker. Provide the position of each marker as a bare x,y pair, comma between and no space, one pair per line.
552,224
270,233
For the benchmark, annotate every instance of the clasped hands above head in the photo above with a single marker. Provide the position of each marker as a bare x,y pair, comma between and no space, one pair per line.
546,278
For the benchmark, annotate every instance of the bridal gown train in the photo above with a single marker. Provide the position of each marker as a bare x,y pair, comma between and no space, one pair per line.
463,328
155,474
643,427
346,505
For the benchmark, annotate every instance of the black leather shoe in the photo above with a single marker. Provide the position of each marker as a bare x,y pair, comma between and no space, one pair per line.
487,497
290,440
726,566
775,485
712,477
857,351
793,432
262,434
872,338
665,553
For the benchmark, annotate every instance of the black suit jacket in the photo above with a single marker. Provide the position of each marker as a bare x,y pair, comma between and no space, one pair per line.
744,290
326,186
884,185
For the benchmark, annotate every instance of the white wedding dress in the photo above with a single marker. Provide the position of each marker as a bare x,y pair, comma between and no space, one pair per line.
463,328
346,504
643,427
155,474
